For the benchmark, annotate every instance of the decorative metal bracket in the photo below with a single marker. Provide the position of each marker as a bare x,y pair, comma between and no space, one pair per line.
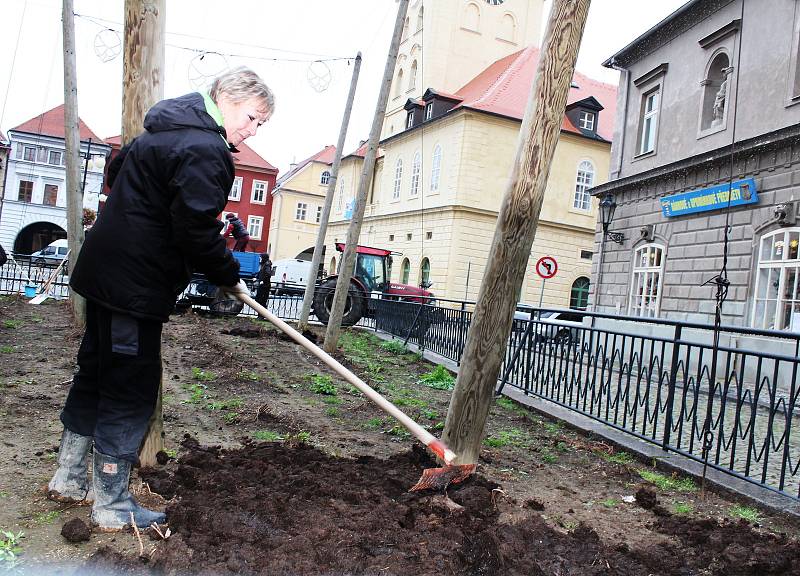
617,237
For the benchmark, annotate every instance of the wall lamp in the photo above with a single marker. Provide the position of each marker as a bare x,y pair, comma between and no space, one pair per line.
608,206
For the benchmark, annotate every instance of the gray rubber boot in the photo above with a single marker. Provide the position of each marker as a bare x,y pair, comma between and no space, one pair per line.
113,503
70,483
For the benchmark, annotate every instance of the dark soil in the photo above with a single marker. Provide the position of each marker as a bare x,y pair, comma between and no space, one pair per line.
76,530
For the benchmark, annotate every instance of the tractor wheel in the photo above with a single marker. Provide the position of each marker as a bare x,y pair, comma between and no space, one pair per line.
353,306
224,304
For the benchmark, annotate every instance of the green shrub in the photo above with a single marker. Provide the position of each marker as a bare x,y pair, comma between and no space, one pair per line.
438,378
323,384
394,346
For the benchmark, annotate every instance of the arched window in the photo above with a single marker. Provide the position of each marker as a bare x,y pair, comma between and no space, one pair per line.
777,294
420,18
425,273
398,179
579,294
648,268
508,28
416,168
405,271
405,30
583,181
340,200
398,87
716,92
412,76
472,17
436,168
325,178
332,269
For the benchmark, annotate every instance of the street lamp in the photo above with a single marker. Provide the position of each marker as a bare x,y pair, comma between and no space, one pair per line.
608,206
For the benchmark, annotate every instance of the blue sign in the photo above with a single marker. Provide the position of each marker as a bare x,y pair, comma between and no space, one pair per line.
349,207
714,198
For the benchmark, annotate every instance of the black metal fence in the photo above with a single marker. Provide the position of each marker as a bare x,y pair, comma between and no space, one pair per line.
23,275
658,380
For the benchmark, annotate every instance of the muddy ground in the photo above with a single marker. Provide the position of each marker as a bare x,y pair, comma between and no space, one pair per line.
278,467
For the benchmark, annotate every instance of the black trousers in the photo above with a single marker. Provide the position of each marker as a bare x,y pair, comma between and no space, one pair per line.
114,392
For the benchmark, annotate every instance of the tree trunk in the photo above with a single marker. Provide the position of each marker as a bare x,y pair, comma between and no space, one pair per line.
516,228
348,261
143,86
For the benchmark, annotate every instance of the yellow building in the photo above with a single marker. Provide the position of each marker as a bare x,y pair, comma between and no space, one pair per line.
297,201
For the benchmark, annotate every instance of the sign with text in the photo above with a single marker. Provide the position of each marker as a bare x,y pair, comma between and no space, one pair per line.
713,198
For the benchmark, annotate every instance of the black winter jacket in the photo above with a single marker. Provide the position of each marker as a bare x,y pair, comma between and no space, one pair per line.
160,221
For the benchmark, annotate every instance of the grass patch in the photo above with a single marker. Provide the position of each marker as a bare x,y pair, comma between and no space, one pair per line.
203,375
548,457
353,391
429,414
10,548
619,458
332,411
197,393
172,453
323,384
399,432
231,404
6,349
438,378
609,502
394,346
553,427
374,423
512,437
267,436
47,517
745,513
682,508
247,375
231,417
668,482
407,400
299,439
12,324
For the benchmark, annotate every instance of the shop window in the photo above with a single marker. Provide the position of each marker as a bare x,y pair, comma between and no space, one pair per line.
777,293
646,283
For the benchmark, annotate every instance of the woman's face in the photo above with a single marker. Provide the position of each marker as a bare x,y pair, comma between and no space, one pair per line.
241,119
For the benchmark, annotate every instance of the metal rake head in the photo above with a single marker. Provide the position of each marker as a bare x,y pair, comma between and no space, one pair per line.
441,478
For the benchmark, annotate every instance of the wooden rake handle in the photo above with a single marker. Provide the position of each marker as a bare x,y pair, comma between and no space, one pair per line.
434,444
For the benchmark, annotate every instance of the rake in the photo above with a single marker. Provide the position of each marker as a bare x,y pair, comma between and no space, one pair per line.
432,478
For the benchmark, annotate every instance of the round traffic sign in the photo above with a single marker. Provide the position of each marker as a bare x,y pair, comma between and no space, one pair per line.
546,267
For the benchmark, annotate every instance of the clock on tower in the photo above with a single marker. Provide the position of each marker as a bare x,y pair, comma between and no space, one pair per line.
494,2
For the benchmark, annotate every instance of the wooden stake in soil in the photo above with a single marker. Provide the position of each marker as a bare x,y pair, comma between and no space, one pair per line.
516,228
308,298
143,86
348,261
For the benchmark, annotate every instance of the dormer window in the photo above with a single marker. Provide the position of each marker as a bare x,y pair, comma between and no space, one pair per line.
586,120
410,120
429,111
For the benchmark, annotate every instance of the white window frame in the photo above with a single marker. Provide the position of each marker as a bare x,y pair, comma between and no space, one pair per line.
236,190
253,190
340,199
324,178
301,211
224,220
398,179
60,157
33,189
318,217
586,120
778,262
648,122
647,280
410,120
429,111
255,225
32,150
416,170
584,180
436,169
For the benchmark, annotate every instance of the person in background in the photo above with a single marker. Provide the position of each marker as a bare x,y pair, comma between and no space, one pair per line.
264,280
237,228
158,226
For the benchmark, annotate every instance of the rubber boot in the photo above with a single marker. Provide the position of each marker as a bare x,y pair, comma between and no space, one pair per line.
113,504
70,483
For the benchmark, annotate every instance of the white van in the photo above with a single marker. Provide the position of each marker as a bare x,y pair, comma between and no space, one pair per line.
290,276
53,253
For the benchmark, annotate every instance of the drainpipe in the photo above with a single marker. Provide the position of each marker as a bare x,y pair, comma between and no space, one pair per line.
625,95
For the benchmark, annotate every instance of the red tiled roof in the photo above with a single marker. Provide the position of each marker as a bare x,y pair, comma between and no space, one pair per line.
325,156
114,141
361,151
51,123
248,157
503,89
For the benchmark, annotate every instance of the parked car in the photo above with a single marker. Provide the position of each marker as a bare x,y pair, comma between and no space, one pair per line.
51,254
558,327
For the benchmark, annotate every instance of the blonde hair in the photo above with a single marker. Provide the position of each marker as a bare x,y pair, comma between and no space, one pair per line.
240,84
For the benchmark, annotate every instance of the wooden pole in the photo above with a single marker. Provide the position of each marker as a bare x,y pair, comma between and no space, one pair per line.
516,227
72,153
143,86
326,208
367,170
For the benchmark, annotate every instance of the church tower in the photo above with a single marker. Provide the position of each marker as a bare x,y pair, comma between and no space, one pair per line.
446,43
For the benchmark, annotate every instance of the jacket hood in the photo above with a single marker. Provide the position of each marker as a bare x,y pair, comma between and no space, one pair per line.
187,111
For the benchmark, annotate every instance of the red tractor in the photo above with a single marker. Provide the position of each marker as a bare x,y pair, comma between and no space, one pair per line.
370,281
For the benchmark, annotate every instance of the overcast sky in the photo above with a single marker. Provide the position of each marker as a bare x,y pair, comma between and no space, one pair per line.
278,39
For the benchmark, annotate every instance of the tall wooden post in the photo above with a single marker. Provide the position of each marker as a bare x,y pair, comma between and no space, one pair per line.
326,208
143,86
72,155
516,228
348,262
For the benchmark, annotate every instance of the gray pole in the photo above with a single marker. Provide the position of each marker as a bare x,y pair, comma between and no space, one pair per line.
326,208
72,152
349,256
